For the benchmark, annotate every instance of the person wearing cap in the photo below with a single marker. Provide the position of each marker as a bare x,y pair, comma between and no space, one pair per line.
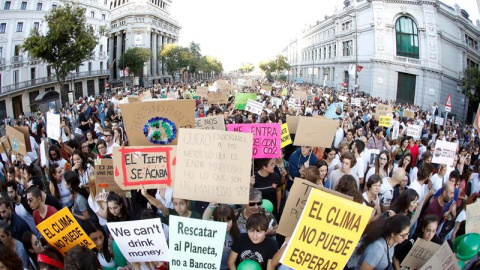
200,111
377,141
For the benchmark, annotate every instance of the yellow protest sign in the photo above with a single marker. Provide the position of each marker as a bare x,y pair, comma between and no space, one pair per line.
327,232
385,121
286,140
63,232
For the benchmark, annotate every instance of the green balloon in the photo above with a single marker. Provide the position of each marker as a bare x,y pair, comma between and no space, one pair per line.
249,265
267,205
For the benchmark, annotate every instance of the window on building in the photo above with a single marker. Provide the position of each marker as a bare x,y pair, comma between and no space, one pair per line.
36,25
471,64
16,76
33,75
18,49
329,52
103,17
346,25
347,48
49,71
407,37
54,6
101,65
92,14
471,42
19,26
334,50
7,5
23,6
105,2
3,109
89,66
39,6
3,27
1,52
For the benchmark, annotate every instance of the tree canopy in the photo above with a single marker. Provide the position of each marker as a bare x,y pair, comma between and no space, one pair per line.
135,58
68,42
274,66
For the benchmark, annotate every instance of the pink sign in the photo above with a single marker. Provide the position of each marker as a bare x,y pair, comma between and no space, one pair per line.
266,138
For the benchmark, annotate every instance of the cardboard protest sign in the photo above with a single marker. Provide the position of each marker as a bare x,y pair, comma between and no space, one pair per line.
266,138
213,165
5,144
285,137
292,123
439,120
420,253
241,100
222,84
295,203
382,110
202,91
315,132
104,178
385,121
444,258
145,96
53,125
299,94
217,98
151,166
408,114
254,107
140,240
19,139
473,218
132,99
196,244
415,131
334,111
327,232
63,232
157,122
356,101
444,152
212,122
2,149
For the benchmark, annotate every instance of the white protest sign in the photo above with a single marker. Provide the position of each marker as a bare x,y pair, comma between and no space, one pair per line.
444,258
395,129
439,121
343,98
415,131
276,102
53,126
212,122
213,165
140,240
254,107
43,154
444,152
196,244
473,218
356,101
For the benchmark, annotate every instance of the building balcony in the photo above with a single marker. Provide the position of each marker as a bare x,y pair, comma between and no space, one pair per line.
17,59
49,81
408,60
33,59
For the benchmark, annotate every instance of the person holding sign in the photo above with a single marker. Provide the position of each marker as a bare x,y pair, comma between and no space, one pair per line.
110,257
117,211
377,247
58,186
268,182
80,210
302,157
428,232
370,197
253,245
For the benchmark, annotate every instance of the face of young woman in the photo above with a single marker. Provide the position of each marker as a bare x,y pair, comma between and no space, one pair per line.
36,245
97,238
404,182
402,236
181,206
382,160
375,188
256,236
4,238
413,206
270,166
89,136
323,171
406,161
77,160
114,208
229,224
429,231
346,165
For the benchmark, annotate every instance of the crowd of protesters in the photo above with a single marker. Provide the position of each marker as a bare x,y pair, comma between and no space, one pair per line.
394,182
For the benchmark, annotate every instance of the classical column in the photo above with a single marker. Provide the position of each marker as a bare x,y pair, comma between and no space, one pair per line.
119,51
164,41
159,49
111,39
154,54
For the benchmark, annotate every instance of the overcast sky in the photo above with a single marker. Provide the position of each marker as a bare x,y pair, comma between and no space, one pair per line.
249,31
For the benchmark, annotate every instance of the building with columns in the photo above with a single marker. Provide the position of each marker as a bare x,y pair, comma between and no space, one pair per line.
412,51
22,77
145,24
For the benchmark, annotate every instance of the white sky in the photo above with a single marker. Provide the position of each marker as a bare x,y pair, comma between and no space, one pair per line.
249,31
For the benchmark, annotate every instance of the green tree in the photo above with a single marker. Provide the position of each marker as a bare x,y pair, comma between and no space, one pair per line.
277,65
471,81
246,68
135,58
175,58
68,42
195,58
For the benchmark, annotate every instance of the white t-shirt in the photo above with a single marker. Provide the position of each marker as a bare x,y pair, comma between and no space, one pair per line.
365,158
168,200
420,189
385,195
358,168
110,148
365,197
33,154
338,137
96,208
437,182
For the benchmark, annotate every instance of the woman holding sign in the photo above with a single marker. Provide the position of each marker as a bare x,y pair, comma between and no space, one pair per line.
377,247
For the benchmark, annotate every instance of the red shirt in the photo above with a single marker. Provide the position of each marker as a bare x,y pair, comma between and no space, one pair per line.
414,151
38,219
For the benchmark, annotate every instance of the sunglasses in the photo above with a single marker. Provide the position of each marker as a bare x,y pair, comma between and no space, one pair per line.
252,204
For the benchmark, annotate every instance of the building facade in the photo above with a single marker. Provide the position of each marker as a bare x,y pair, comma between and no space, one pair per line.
411,51
23,78
145,24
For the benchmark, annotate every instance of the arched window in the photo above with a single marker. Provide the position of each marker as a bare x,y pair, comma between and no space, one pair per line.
407,37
